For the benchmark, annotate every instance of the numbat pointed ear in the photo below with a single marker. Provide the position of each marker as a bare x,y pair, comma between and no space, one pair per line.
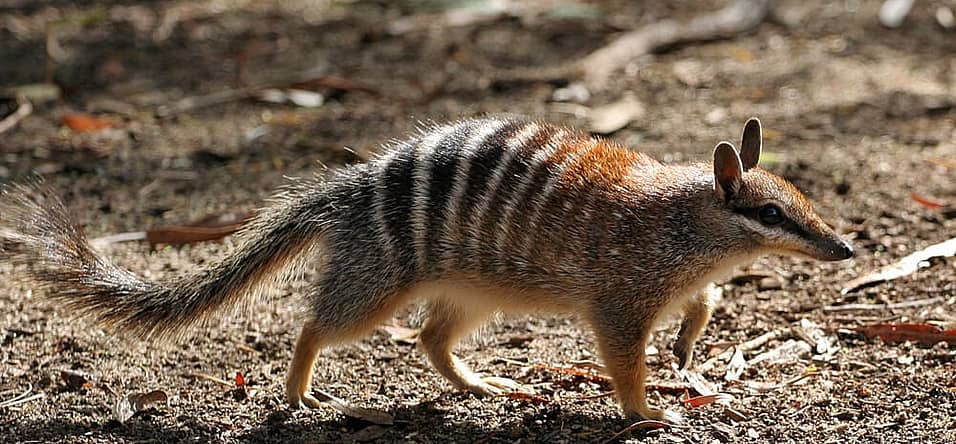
728,171
751,143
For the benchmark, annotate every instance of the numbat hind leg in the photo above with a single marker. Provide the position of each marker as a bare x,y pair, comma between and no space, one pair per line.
333,325
299,381
446,324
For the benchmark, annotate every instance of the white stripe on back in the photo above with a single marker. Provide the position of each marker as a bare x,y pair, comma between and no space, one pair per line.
540,157
531,225
378,200
421,187
512,147
452,224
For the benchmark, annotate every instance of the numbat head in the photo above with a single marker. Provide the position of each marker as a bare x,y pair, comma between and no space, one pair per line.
776,216
477,216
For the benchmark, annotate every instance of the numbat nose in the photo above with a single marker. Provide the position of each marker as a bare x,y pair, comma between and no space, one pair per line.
847,251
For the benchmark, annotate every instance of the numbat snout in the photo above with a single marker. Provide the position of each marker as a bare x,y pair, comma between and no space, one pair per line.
477,216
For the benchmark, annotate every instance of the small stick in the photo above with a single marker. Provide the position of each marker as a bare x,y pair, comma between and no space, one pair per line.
24,108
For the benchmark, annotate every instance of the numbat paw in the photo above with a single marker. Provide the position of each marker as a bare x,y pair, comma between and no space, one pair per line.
494,386
684,354
302,401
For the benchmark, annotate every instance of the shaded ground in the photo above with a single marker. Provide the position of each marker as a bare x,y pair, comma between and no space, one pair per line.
858,116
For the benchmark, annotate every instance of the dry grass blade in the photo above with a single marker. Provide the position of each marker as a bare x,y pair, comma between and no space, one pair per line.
903,267
22,398
24,109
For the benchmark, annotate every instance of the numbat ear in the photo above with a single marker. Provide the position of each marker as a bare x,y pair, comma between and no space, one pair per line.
727,171
751,143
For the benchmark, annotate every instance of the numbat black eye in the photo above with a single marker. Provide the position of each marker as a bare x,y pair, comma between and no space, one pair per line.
770,215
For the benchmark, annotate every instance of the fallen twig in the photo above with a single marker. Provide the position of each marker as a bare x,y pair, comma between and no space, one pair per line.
24,109
903,267
738,17
893,306
230,95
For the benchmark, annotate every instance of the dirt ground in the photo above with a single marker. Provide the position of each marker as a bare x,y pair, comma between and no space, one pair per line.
862,118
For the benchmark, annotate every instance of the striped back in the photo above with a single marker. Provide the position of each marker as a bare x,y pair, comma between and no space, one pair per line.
470,196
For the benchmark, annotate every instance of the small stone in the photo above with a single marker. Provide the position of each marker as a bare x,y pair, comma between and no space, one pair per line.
769,283
716,116
893,12
945,18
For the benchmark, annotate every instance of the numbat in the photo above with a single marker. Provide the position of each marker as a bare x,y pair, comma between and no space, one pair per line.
478,216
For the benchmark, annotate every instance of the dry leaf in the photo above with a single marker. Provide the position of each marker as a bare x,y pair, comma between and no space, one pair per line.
949,164
610,118
697,401
370,415
736,366
403,335
786,352
926,334
696,380
926,202
209,228
903,267
125,407
85,122
75,380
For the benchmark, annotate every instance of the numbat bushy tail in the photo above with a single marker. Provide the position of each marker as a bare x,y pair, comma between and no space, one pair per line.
477,216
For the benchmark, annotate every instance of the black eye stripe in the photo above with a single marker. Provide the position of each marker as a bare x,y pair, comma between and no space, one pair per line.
778,215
